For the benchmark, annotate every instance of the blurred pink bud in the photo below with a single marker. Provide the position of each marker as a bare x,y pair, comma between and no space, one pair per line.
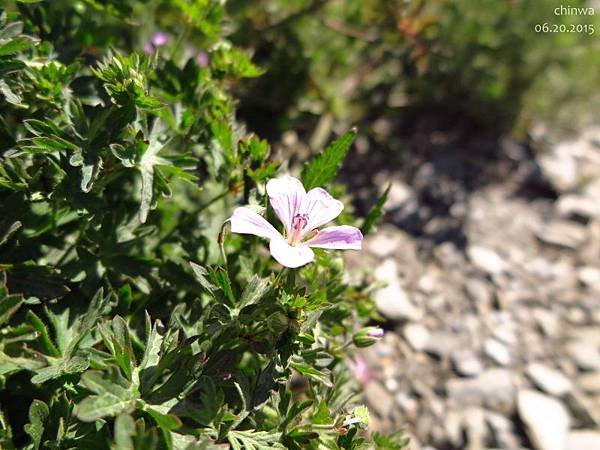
202,58
376,333
148,48
160,38
360,369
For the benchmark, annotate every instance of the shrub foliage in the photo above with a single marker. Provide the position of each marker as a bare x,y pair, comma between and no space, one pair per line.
125,322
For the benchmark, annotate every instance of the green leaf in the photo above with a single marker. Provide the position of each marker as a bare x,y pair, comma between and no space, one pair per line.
153,343
6,438
9,95
12,229
147,162
166,422
324,167
312,373
16,45
9,303
114,396
201,275
117,340
99,305
41,127
322,415
38,413
375,213
124,432
60,367
255,290
254,440
43,333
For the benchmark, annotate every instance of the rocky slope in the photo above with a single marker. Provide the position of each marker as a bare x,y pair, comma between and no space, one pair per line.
493,334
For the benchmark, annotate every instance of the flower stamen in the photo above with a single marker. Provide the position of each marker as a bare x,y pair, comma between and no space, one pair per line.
298,224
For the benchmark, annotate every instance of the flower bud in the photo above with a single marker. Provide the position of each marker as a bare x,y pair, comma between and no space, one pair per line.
367,336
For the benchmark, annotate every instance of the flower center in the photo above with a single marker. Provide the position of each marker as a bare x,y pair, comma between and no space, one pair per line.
298,224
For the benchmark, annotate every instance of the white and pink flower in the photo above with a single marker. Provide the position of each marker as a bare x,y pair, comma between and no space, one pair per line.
301,213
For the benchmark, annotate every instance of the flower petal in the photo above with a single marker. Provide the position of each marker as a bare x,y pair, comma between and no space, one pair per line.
290,256
246,221
343,237
286,195
321,208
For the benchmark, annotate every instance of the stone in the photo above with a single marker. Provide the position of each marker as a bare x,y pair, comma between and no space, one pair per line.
546,420
573,204
589,382
497,351
585,355
589,275
385,242
583,408
548,379
466,363
486,259
378,399
562,233
583,440
493,388
408,404
392,300
548,321
398,195
503,430
440,344
560,168
478,291
416,335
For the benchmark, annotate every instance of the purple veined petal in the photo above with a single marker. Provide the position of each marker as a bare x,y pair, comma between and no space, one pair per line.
245,221
343,237
286,195
320,208
290,256
160,38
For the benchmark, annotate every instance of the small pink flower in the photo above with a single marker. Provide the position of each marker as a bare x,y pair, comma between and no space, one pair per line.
360,370
301,213
160,38
202,58
148,48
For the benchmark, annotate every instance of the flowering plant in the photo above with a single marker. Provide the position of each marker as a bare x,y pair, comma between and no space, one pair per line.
301,214
120,326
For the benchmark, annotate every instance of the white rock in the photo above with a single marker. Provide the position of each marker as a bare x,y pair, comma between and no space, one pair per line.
385,242
549,380
589,275
416,335
378,398
589,382
546,420
585,206
441,343
493,388
560,167
466,363
585,354
392,300
562,233
486,259
497,351
399,194
583,440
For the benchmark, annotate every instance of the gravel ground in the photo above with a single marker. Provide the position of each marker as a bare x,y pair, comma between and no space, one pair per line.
491,301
